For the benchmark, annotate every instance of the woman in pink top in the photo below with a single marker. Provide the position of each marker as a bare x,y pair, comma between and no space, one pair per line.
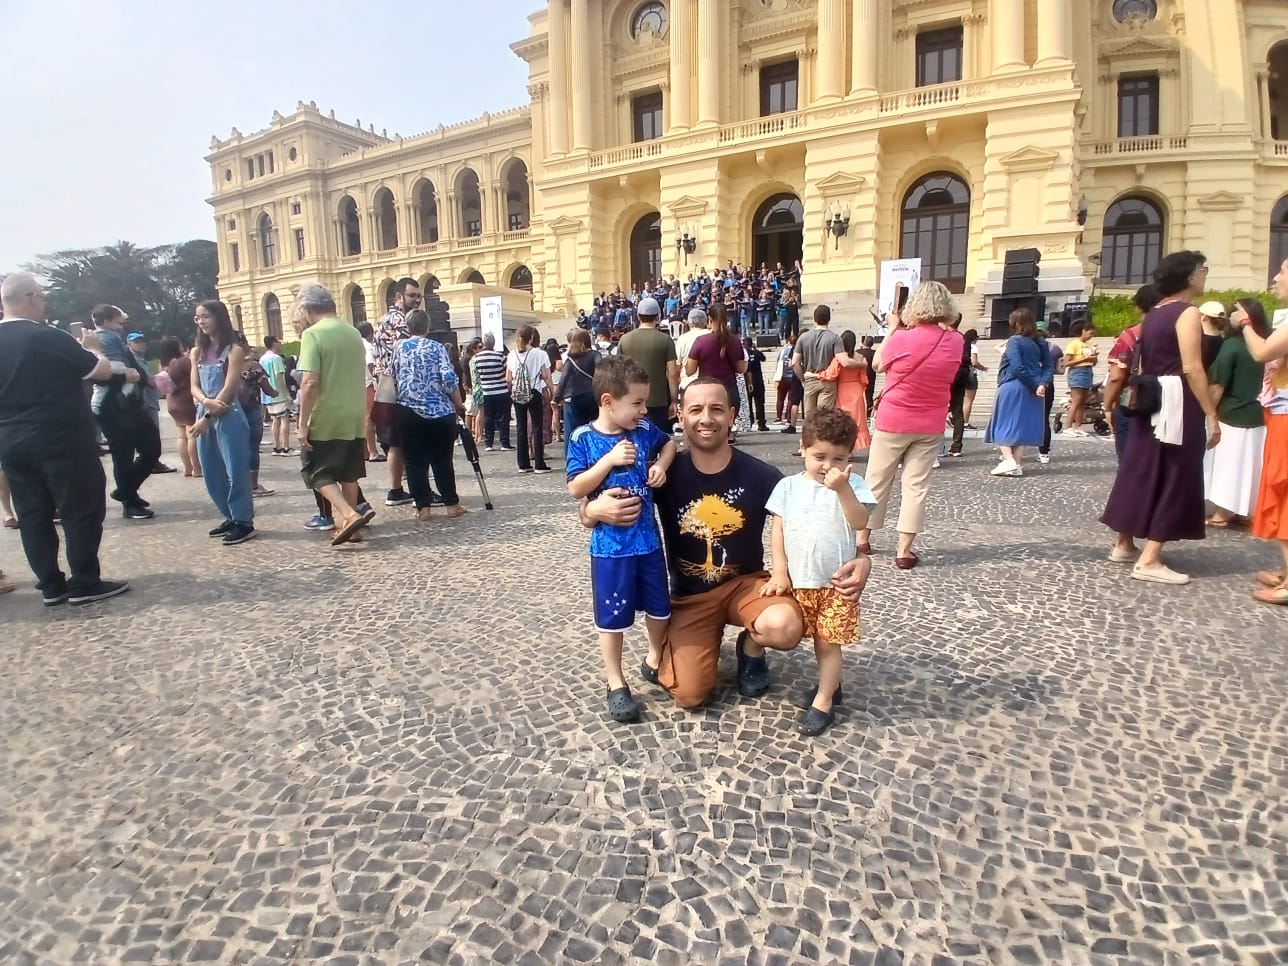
920,359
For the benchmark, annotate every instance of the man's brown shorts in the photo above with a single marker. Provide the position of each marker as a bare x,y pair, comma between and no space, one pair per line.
691,654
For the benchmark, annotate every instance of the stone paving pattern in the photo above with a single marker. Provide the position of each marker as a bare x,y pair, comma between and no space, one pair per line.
398,752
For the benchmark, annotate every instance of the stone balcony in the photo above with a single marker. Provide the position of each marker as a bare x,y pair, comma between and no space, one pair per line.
916,105
1134,147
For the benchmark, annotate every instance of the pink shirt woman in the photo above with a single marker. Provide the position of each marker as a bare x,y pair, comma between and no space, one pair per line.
920,358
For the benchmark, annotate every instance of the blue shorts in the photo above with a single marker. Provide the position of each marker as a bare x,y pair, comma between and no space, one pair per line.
621,586
1082,377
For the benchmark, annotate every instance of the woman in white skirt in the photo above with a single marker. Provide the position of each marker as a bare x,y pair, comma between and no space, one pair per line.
1234,464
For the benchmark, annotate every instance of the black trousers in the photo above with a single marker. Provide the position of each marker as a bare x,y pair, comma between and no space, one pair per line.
134,442
496,417
957,412
757,399
1048,402
427,445
535,410
64,479
658,416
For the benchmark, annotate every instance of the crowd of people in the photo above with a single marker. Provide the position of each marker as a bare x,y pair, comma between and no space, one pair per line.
755,301
1197,398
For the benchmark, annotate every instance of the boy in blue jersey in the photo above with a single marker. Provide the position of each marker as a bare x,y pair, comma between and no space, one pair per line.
621,448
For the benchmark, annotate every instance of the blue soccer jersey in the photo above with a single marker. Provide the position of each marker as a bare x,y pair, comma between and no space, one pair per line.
586,447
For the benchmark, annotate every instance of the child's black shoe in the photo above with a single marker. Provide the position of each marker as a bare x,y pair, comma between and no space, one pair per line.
621,706
814,722
812,693
649,674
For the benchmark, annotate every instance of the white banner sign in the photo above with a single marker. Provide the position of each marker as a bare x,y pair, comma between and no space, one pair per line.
895,271
492,318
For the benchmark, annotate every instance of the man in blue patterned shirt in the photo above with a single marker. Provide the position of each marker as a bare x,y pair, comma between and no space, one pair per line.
621,448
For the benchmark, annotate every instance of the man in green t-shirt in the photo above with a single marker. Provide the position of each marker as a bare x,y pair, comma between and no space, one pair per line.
333,410
654,351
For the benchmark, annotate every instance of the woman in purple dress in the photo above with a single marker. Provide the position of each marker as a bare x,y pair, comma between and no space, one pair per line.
1158,493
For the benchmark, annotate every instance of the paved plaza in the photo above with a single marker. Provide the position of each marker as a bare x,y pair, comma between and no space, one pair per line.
398,751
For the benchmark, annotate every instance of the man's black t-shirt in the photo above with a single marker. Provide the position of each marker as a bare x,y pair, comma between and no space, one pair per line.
713,525
42,392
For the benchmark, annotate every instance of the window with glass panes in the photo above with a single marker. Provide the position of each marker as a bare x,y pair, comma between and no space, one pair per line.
1138,106
779,86
939,56
646,116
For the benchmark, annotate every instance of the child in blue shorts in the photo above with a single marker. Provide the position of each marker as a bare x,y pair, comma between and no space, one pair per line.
621,448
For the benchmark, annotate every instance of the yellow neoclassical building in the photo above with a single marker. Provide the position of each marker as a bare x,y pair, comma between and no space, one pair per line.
661,136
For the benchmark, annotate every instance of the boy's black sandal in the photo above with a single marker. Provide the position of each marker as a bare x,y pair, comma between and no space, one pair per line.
814,722
649,674
621,706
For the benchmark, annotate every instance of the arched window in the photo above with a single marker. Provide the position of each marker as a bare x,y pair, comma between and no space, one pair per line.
651,18
386,219
936,228
357,305
778,231
350,231
1278,236
646,250
517,207
267,242
1277,91
272,315
473,276
521,278
467,190
1133,241
426,213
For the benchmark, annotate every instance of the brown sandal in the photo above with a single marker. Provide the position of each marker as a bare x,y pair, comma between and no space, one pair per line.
7,586
908,562
455,511
352,526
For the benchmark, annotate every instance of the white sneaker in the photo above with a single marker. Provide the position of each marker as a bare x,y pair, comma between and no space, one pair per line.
1044,458
936,463
1159,574
1006,468
1073,433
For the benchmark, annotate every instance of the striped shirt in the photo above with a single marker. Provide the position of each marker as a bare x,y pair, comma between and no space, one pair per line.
490,366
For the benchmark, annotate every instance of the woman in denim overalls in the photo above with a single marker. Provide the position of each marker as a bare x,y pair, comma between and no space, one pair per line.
221,431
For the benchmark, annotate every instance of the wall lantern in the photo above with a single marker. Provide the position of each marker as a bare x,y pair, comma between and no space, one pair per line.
838,225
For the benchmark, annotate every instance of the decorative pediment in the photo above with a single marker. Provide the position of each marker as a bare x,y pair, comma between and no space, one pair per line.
687,207
1158,46
563,225
839,185
1029,158
1221,201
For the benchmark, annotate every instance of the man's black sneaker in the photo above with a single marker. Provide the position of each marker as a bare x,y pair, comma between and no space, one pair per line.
507,447
239,533
100,591
162,468
788,429
398,497
223,528
137,511
116,495
435,499
53,598
753,672
364,507
621,706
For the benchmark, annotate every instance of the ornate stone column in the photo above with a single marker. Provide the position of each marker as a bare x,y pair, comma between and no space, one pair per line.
863,31
1055,33
681,64
831,50
1008,35
557,45
710,53
583,57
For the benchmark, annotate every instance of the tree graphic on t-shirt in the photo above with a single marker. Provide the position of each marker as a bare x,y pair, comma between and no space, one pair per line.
708,519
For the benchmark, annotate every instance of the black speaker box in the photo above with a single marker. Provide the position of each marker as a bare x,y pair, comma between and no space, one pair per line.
1003,306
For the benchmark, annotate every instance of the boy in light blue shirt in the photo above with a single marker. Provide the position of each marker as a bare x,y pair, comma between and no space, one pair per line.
621,448
817,516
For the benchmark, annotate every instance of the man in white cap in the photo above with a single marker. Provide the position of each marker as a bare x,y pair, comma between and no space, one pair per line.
654,352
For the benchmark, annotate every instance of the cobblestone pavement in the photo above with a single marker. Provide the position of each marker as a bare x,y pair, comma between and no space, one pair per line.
397,752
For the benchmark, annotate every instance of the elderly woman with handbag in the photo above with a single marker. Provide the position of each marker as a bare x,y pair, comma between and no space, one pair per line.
920,358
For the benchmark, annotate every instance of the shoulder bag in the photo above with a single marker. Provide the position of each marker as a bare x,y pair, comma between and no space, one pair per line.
1144,394
876,403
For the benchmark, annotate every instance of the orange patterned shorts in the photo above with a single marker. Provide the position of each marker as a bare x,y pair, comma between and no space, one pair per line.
829,615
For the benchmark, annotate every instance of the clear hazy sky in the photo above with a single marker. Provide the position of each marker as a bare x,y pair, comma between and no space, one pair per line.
109,105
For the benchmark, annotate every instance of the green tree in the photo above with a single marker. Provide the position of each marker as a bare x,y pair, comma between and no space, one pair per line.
157,287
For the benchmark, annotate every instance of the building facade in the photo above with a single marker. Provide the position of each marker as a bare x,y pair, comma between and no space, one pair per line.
661,136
